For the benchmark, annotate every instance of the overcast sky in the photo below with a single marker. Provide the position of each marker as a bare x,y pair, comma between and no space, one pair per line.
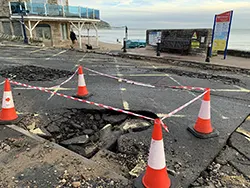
168,13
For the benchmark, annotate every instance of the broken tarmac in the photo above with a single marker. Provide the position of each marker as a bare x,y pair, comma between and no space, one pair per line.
187,157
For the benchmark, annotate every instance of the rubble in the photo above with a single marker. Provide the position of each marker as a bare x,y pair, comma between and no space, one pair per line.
34,73
76,140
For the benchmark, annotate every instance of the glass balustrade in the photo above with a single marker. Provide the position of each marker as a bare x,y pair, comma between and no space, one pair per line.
71,11
54,10
36,9
42,9
84,12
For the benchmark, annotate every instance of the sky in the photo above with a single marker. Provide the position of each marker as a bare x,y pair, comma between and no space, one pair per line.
169,14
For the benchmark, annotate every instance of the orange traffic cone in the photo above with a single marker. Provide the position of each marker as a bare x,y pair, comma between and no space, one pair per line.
82,91
156,175
203,127
8,112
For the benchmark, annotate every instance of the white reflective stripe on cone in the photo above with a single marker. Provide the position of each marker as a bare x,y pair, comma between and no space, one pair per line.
81,80
156,158
205,110
7,101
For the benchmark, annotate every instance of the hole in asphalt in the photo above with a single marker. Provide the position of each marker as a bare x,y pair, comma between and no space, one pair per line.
34,73
224,79
94,134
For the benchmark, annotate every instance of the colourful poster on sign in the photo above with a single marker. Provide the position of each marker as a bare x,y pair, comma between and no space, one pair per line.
154,37
221,31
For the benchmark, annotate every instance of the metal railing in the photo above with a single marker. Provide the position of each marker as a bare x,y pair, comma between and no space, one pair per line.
41,9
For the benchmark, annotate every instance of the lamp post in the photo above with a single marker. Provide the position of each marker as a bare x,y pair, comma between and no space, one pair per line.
125,39
23,12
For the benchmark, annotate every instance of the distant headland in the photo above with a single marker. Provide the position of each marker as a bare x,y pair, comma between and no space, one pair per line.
103,25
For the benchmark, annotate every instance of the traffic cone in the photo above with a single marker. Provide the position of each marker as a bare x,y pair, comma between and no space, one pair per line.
203,127
156,175
8,113
82,91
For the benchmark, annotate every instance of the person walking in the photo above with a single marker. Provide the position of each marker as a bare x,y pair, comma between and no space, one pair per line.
73,38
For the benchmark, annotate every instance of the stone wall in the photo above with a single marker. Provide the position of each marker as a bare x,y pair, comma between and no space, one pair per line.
52,2
192,41
236,53
4,9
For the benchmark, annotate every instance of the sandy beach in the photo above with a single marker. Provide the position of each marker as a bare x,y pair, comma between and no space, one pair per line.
103,46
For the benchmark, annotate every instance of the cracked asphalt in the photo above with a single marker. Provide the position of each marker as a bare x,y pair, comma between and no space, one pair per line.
230,101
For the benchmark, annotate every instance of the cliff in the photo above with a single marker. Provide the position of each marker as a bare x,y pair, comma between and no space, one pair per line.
103,25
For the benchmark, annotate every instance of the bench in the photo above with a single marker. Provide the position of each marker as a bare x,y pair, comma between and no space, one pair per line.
180,44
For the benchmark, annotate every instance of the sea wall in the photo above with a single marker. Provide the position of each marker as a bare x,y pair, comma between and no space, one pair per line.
190,41
237,53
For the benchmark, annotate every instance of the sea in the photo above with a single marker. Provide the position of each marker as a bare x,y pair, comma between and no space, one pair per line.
239,38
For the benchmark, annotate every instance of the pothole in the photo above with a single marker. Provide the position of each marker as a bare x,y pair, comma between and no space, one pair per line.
34,73
224,79
94,134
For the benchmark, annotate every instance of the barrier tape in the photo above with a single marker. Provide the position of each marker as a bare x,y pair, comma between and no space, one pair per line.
88,102
183,106
57,86
187,88
143,84
120,79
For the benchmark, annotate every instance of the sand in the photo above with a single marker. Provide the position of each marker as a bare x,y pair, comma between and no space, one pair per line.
103,46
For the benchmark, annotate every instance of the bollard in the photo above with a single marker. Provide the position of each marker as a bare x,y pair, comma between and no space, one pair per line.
124,45
208,53
158,53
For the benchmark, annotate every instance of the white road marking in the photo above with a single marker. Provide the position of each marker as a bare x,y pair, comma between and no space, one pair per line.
191,93
125,105
80,60
42,49
57,54
9,79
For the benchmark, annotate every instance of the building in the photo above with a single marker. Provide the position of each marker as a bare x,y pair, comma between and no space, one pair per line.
47,20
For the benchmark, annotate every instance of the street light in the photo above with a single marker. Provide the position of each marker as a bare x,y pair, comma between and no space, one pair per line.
125,39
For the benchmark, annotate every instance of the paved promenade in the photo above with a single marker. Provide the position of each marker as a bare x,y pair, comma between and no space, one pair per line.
230,60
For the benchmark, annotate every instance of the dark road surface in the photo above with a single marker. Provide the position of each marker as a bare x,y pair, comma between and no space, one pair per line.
230,102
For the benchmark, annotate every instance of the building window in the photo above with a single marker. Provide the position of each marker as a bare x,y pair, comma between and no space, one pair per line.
64,32
43,31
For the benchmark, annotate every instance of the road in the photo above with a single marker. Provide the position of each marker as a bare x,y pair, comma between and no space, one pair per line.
229,101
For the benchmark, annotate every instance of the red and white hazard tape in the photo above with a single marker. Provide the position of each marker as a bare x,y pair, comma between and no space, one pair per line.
120,79
57,86
143,84
183,106
187,88
88,102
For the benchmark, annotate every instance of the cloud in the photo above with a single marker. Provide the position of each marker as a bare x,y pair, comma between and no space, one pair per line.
168,13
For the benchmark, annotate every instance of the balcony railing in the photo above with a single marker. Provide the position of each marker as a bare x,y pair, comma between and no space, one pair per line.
51,10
